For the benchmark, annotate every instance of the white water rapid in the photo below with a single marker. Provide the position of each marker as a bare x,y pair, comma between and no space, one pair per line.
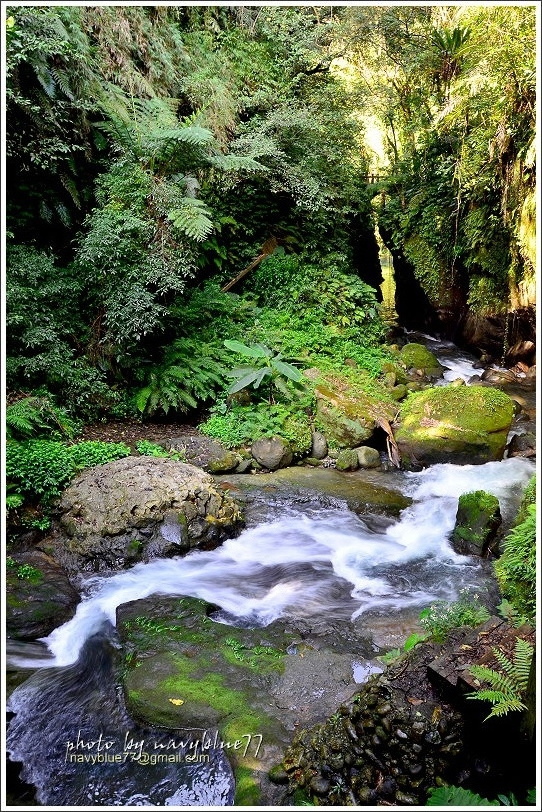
310,561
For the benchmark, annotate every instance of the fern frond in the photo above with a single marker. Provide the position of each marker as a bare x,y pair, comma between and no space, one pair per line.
497,680
236,163
192,218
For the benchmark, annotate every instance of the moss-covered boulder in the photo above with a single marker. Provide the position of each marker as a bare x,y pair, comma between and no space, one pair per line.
183,669
460,424
347,460
477,522
417,357
39,595
348,406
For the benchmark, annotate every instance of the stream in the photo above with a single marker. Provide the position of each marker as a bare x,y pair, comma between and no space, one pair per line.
304,554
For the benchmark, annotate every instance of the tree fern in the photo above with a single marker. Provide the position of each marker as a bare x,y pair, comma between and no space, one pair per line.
192,219
508,686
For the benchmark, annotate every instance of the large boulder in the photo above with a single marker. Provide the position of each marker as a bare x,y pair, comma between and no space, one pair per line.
272,452
477,521
39,595
136,509
345,412
459,424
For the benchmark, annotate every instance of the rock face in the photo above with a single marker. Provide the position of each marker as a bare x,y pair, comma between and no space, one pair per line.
39,598
460,424
138,508
272,452
348,416
477,521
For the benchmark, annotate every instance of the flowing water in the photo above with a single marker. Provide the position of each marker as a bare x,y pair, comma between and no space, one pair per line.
298,558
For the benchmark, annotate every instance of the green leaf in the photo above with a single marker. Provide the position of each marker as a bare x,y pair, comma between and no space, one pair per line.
244,382
456,796
290,372
256,351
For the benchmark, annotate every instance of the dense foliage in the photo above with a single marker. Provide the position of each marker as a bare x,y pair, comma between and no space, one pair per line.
154,154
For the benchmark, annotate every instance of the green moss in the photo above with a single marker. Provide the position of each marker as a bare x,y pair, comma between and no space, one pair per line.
416,356
247,790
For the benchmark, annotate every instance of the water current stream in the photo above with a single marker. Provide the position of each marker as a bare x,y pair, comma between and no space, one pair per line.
297,558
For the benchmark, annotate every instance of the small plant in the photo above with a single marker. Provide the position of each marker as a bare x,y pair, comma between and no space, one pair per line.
442,617
508,686
238,425
411,641
25,572
509,613
148,449
267,365
457,797
516,568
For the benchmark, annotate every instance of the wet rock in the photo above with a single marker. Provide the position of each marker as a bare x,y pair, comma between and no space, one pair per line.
347,460
464,424
522,445
39,595
368,457
319,445
138,508
272,452
477,521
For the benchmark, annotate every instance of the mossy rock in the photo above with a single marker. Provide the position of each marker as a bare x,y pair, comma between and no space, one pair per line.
460,424
416,356
477,521
347,412
389,367
39,595
347,460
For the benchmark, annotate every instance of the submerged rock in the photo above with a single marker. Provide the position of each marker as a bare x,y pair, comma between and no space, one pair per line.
138,508
39,596
459,424
477,521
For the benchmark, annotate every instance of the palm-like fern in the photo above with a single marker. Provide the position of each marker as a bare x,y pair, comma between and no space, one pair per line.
190,374
29,416
507,687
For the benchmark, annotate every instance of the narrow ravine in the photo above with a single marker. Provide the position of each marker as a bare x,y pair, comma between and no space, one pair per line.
309,561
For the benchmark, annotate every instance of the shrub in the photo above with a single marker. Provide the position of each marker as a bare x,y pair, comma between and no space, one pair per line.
41,469
442,617
94,452
190,374
516,568
30,417
239,425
